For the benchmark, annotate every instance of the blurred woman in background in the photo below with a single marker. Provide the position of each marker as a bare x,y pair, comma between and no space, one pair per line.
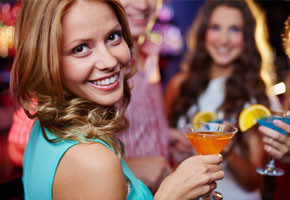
227,67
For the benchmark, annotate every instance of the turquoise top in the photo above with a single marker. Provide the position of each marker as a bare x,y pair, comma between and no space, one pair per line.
41,159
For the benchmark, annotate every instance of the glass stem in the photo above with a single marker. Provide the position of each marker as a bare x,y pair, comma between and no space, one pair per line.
271,163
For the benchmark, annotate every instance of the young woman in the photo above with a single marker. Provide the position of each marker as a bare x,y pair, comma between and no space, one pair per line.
224,71
70,73
146,140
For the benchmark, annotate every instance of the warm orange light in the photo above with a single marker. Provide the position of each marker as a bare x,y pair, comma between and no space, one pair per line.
6,40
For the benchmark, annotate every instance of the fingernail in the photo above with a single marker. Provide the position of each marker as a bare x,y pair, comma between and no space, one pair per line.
221,156
264,139
276,122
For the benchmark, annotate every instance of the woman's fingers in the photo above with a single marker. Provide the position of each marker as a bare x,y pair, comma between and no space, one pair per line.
216,176
275,144
272,133
214,168
274,152
208,185
282,125
204,190
211,159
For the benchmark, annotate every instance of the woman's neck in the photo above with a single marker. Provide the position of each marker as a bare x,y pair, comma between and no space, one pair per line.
220,71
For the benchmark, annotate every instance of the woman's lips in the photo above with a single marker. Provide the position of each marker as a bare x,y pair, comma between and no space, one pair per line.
138,19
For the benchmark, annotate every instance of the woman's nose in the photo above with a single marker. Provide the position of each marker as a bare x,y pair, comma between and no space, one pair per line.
224,37
140,4
104,59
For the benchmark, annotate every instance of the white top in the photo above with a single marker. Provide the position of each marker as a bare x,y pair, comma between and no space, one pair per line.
209,100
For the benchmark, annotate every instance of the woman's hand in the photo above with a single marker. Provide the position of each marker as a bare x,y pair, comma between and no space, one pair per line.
193,178
275,143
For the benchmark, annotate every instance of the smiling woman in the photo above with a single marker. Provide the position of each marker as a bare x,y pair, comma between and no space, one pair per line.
224,71
81,93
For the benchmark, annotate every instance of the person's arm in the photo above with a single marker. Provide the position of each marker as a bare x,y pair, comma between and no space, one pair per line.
275,143
89,171
193,178
151,170
244,167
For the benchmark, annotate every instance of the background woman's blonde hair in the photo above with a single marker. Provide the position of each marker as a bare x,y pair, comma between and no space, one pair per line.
35,77
264,47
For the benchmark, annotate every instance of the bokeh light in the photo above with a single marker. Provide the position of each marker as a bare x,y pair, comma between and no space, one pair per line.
8,14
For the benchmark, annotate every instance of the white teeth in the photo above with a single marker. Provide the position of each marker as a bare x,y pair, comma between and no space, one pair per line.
106,81
223,50
112,79
138,17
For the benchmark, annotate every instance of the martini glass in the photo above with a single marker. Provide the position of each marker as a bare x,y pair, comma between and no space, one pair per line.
270,168
209,138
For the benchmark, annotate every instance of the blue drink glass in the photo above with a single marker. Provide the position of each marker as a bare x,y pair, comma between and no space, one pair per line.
270,169
268,122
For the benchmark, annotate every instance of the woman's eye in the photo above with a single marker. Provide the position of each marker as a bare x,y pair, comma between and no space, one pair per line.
235,29
115,37
214,27
81,49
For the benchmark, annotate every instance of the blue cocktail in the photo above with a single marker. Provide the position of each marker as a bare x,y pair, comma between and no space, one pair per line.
268,122
270,169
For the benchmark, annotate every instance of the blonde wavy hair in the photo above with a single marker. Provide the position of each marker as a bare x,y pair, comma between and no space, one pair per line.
36,81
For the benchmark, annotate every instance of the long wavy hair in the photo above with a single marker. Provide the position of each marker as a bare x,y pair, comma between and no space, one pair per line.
36,81
252,72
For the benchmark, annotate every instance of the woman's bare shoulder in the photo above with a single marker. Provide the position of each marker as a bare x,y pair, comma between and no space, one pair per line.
89,171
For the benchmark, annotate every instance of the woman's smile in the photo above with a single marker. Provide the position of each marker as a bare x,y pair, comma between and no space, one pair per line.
107,83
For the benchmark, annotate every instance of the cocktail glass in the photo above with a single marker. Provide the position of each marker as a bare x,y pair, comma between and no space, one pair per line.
270,168
209,138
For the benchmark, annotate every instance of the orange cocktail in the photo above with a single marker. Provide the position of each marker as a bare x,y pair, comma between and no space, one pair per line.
209,138
206,143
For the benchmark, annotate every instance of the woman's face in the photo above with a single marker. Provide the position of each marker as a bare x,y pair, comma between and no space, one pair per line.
139,13
94,53
224,36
